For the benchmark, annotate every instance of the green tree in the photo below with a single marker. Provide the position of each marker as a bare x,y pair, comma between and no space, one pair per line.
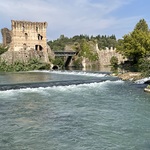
142,26
145,66
58,61
114,61
136,44
3,49
87,51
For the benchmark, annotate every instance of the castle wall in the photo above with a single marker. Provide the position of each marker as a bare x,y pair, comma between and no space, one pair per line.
19,56
104,59
106,55
6,34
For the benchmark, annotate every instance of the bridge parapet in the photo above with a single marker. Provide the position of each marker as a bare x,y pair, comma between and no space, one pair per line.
62,53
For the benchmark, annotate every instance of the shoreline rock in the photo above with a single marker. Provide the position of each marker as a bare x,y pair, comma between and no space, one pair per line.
131,76
134,76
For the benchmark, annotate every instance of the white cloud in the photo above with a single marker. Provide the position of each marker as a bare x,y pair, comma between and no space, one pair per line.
68,17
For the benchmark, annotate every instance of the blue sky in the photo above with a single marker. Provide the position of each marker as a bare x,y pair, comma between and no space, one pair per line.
75,17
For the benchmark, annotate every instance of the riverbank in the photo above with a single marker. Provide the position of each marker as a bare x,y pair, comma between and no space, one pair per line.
131,76
135,77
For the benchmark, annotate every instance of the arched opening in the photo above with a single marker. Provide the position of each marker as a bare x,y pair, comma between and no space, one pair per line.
26,36
55,67
40,37
36,29
24,46
38,48
23,28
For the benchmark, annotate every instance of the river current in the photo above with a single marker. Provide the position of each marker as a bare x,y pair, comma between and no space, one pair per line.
100,112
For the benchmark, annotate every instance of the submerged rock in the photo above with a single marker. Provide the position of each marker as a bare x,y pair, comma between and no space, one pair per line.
147,82
147,90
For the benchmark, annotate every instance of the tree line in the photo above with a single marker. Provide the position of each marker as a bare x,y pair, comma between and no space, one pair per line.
103,41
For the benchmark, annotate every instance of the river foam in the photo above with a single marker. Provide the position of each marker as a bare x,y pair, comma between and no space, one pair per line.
142,81
79,73
67,88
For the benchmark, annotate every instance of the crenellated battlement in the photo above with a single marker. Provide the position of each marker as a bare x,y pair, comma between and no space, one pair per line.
28,25
106,54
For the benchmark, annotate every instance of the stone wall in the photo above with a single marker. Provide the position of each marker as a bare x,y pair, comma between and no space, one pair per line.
106,55
22,56
6,34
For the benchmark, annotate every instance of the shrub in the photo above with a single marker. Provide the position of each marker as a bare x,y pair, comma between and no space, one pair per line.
144,67
32,64
114,61
3,49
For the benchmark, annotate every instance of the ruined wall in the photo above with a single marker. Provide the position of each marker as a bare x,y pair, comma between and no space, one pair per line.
106,55
6,34
19,56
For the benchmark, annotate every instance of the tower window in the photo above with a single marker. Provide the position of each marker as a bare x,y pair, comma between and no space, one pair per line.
23,28
26,35
36,29
38,48
24,46
40,37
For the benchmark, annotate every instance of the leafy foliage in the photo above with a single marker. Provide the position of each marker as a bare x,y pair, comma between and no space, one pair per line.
58,61
33,64
77,63
59,44
136,44
142,26
114,61
3,49
86,51
103,41
144,67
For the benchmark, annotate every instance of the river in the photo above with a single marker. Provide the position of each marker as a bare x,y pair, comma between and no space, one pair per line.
100,112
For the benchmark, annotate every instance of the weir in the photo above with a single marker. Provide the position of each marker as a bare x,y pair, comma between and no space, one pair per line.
4,87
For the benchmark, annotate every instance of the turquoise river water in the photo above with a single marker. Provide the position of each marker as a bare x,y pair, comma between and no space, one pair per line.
52,112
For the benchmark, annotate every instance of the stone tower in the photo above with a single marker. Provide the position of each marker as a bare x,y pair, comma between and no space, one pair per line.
29,35
28,40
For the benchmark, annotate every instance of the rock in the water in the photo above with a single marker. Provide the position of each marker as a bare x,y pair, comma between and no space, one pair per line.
147,82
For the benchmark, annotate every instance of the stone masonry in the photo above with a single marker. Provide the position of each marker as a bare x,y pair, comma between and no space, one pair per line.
27,40
6,33
106,55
